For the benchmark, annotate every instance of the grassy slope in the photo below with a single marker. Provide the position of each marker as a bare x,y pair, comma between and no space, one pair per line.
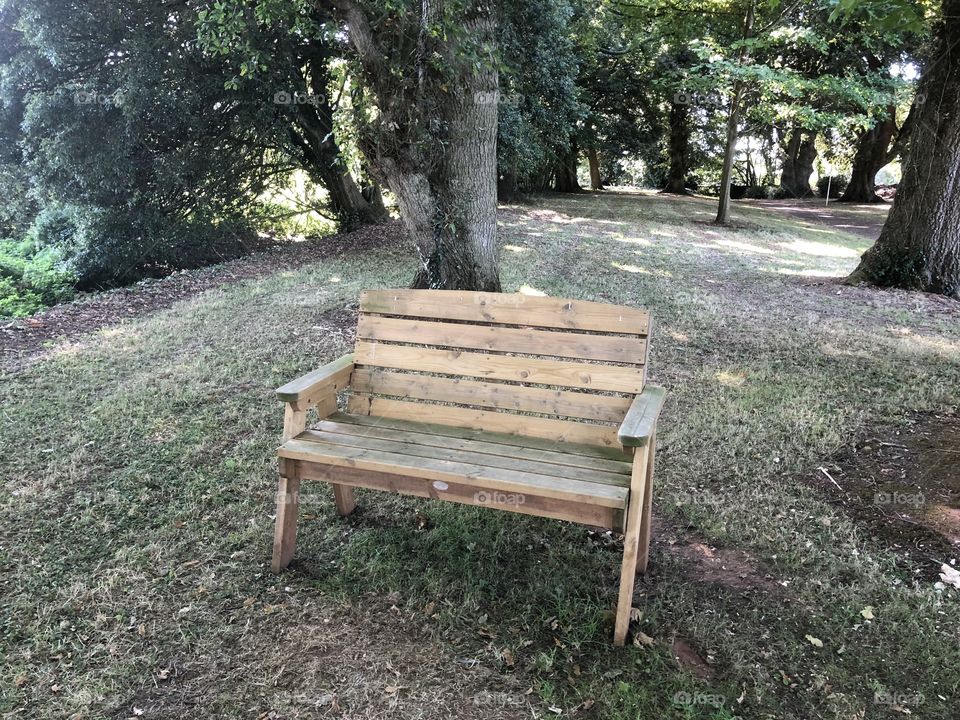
138,478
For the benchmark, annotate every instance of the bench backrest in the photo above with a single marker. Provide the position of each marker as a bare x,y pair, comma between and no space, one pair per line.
519,363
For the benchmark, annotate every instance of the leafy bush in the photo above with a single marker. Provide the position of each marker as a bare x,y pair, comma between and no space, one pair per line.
107,248
31,278
837,183
760,192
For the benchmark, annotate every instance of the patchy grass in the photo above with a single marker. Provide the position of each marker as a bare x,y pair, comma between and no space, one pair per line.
138,471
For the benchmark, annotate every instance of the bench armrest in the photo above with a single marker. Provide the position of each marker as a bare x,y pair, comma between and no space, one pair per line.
307,390
641,418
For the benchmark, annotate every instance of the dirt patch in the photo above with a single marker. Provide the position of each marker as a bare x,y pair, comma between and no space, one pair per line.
904,486
23,341
689,659
731,568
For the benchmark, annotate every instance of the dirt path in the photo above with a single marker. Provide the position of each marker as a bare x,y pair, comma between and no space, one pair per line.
25,340
863,220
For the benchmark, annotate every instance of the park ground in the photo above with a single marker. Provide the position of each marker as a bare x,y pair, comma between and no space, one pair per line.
806,497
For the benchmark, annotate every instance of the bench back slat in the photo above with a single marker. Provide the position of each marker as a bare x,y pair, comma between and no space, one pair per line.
521,363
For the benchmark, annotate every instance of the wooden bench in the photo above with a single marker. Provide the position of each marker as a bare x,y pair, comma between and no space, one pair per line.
534,405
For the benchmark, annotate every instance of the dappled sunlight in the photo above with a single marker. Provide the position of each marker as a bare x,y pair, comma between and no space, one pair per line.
746,247
112,332
807,272
334,279
635,240
631,268
516,248
810,247
531,291
731,379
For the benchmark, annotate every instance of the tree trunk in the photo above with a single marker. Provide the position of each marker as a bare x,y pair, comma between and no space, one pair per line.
435,139
679,142
919,246
733,123
322,157
799,155
595,181
566,171
872,148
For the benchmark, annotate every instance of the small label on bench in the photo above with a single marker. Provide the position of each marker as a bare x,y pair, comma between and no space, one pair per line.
439,485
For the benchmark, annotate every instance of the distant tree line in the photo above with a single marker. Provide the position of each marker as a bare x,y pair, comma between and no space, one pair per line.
143,137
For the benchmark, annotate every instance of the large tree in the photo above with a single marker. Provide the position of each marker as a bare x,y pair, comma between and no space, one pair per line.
919,246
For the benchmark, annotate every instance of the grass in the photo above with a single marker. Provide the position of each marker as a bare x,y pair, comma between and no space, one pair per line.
138,470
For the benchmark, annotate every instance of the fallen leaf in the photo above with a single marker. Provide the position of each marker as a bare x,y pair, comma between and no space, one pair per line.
394,689
867,612
950,575
430,607
816,642
507,656
163,674
20,680
641,639
636,614
249,601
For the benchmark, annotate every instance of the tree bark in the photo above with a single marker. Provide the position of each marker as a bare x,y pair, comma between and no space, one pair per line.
919,246
733,122
679,144
435,142
596,183
798,157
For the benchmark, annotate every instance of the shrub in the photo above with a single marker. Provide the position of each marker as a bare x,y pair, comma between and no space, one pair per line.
760,192
31,278
838,183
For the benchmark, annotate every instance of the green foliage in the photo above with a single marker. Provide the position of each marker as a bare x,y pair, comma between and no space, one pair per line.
32,277
836,183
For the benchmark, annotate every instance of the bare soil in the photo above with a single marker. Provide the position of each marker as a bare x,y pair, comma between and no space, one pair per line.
903,485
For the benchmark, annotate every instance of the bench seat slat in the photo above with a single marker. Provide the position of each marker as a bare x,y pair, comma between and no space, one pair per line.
500,367
577,346
561,454
564,403
587,449
485,477
525,310
411,445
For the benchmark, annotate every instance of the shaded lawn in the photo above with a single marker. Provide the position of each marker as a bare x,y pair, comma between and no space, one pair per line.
138,474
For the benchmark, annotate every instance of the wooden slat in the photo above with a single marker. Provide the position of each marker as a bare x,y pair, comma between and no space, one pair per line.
538,371
461,493
409,446
509,309
509,481
578,346
563,403
587,450
533,449
560,430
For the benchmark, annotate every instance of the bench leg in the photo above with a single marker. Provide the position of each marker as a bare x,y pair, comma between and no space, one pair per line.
285,533
631,543
643,552
343,498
